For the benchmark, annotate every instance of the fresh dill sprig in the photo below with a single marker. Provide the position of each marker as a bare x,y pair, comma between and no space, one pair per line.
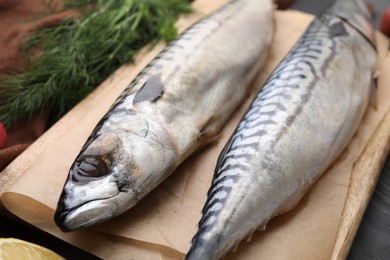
76,55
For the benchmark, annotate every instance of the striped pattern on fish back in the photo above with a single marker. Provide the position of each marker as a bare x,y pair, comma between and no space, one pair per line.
266,120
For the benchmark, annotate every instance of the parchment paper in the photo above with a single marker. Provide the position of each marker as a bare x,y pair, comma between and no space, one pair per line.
162,225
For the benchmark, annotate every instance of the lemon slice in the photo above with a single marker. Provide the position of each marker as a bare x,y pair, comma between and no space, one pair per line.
11,248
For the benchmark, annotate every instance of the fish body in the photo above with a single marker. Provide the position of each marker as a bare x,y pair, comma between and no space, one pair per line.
177,104
297,125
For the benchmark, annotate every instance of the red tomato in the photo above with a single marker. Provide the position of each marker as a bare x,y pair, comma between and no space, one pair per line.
385,22
3,136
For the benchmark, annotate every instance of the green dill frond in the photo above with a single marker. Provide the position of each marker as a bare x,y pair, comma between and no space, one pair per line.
78,54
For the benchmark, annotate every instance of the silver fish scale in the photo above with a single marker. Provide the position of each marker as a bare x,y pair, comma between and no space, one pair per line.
268,117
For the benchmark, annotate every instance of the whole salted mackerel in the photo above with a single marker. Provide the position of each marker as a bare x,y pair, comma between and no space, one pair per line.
177,104
297,125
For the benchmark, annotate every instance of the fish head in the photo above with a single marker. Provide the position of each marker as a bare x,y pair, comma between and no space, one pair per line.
357,14
110,175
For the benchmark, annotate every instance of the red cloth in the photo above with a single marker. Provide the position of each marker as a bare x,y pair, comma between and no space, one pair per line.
18,18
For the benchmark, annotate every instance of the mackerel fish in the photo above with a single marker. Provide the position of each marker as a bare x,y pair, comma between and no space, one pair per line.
176,105
297,125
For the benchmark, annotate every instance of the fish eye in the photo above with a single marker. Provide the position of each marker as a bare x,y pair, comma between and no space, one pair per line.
89,167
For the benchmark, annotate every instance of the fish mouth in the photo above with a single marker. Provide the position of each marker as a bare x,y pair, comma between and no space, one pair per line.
91,213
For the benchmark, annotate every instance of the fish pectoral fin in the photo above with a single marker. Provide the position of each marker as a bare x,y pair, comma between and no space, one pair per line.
211,136
209,132
374,90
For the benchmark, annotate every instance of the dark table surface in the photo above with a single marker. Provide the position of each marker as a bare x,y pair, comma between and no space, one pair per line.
372,240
